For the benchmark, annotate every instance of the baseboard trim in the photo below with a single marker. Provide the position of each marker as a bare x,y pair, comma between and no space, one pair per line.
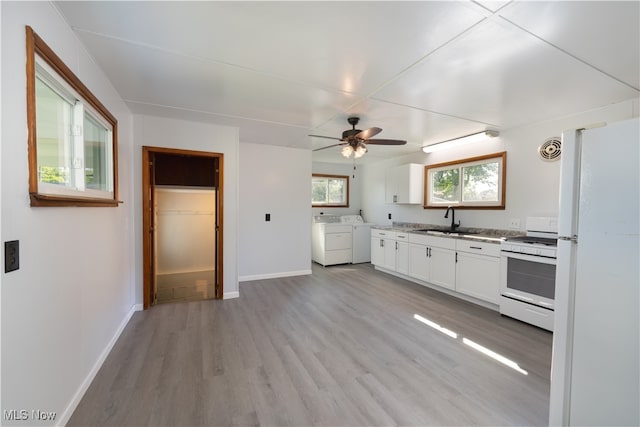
66,415
273,275
231,295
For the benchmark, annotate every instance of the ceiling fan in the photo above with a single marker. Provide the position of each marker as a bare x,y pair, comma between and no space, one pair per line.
355,140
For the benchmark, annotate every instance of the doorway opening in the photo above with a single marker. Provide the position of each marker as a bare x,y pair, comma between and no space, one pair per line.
182,225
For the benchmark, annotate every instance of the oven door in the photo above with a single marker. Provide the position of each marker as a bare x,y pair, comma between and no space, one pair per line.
528,278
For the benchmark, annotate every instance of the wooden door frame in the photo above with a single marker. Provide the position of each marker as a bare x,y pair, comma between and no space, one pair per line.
147,221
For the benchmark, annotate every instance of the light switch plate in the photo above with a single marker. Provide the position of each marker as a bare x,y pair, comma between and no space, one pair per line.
514,223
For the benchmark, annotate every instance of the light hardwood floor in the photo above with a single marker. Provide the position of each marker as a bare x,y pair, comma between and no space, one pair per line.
340,347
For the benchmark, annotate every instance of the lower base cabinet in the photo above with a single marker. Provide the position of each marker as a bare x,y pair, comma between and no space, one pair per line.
478,270
433,260
465,266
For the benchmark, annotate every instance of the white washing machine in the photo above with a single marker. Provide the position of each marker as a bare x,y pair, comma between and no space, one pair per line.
361,238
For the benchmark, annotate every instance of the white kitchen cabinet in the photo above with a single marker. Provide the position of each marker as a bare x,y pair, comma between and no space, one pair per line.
404,184
432,259
419,261
383,248
402,253
443,267
478,270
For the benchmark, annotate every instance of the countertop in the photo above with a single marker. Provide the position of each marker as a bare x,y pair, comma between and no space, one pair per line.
489,235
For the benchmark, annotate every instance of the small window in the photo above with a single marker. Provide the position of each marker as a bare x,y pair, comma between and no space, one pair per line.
477,182
330,190
72,136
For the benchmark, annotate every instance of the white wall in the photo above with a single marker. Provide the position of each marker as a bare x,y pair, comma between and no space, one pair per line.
185,230
355,186
168,133
275,180
74,289
532,184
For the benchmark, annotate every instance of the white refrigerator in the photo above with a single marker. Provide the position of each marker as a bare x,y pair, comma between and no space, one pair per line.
595,363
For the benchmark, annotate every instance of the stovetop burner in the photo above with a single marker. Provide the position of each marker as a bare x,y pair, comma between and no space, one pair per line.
534,240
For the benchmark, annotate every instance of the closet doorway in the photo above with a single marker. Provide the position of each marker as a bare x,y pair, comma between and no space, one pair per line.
182,225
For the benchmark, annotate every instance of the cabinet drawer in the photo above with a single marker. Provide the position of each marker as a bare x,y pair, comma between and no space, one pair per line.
402,237
480,248
334,241
383,234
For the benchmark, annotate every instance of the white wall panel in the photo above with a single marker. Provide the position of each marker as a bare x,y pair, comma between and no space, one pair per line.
74,290
277,181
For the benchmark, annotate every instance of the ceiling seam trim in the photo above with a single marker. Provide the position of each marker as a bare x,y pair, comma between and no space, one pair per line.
571,55
209,113
217,62
494,12
435,112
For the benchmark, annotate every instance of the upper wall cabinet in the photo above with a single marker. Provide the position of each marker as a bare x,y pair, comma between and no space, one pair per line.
404,184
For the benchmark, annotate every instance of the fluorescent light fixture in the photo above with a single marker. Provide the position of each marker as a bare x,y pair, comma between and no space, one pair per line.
474,137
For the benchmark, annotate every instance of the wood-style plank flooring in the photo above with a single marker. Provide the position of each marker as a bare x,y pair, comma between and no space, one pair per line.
341,347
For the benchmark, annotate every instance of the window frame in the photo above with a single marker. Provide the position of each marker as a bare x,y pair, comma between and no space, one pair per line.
501,157
331,205
35,46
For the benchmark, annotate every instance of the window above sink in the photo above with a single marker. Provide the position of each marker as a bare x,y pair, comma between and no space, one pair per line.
472,183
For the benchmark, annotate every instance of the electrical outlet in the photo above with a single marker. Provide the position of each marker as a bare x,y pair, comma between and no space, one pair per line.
11,256
514,223
389,215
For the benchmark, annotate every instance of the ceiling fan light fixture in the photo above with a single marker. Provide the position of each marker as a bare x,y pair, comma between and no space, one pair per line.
360,151
347,151
467,139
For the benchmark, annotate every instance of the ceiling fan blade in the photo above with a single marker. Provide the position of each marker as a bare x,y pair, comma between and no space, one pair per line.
385,141
366,134
326,137
330,146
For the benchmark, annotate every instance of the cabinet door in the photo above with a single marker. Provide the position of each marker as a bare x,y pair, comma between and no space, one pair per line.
443,267
377,251
389,247
402,257
478,276
419,262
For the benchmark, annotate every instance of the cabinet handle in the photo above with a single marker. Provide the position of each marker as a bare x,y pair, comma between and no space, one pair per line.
395,198
396,246
429,252
475,247
426,252
456,257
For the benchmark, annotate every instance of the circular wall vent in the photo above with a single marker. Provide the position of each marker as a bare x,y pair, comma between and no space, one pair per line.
550,149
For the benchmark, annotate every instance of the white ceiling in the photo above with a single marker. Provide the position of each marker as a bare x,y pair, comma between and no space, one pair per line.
422,71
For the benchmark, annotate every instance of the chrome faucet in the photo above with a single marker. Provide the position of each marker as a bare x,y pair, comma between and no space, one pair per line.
453,218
